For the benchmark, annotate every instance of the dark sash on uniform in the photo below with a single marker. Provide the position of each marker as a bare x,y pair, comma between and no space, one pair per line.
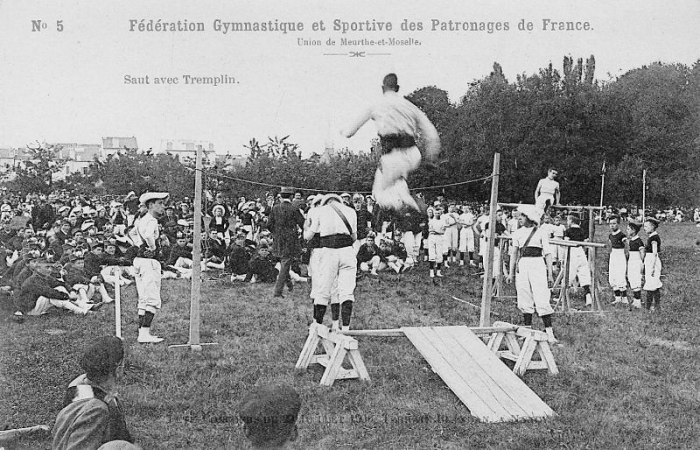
392,141
529,252
338,240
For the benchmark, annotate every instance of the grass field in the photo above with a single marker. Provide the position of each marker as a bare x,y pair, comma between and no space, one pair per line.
628,380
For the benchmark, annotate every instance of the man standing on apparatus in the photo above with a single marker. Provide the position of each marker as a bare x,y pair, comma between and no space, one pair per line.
399,124
547,192
285,222
336,223
148,271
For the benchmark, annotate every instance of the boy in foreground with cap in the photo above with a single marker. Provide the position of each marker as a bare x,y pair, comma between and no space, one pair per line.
270,414
92,415
148,270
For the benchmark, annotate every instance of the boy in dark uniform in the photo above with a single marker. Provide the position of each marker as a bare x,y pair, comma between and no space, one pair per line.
635,263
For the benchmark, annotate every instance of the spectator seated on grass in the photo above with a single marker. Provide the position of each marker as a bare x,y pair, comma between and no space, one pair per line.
41,290
92,415
269,414
114,268
368,256
262,265
78,280
398,249
180,258
216,251
393,255
239,257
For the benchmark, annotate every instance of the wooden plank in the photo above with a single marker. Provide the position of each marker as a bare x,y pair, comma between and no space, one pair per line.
569,243
490,330
537,365
334,366
323,360
309,349
495,342
486,386
536,334
526,353
546,354
346,374
515,386
454,380
396,332
358,364
512,343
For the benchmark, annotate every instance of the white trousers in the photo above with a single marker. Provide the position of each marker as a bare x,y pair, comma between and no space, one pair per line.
435,247
390,189
497,262
634,271
337,266
617,269
412,243
466,239
452,238
531,286
652,282
541,201
148,281
579,266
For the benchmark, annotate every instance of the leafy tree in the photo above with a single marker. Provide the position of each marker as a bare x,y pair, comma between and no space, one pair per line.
36,174
134,170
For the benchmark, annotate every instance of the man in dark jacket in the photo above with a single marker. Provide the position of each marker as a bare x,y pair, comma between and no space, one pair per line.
285,222
43,214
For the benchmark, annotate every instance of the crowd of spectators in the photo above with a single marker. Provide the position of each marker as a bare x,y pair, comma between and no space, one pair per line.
67,251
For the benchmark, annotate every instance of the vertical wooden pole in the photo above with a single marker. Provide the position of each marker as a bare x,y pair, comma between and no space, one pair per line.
594,284
117,303
602,188
591,258
486,293
565,287
196,253
644,195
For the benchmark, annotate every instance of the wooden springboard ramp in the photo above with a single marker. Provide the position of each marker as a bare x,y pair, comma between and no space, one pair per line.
491,391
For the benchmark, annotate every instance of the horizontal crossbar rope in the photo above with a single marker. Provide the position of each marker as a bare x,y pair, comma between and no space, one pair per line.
575,207
279,186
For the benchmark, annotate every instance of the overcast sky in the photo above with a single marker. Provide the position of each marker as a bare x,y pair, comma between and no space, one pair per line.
69,86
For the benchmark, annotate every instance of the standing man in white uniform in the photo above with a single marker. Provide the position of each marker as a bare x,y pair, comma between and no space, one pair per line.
466,236
547,192
146,266
531,260
399,124
336,224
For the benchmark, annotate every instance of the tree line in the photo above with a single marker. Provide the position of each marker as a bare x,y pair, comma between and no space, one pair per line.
647,119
